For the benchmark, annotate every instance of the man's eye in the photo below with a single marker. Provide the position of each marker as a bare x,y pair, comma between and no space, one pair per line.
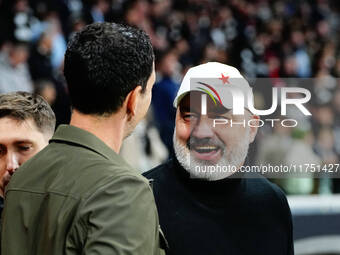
220,117
2,150
189,117
25,148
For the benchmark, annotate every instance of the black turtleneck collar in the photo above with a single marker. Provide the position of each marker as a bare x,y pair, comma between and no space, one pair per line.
216,192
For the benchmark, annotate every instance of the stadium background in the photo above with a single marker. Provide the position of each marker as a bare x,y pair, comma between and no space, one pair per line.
263,39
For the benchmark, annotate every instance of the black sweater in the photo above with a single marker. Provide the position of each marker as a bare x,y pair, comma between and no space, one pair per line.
231,216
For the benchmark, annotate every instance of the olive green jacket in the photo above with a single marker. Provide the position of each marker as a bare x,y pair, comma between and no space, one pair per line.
77,196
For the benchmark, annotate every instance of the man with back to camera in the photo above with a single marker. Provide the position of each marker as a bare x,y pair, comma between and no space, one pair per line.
217,212
27,123
78,196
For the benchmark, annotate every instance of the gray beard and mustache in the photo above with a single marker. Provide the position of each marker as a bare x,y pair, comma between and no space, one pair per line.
230,157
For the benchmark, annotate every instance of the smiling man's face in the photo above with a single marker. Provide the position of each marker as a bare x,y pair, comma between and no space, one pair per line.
198,143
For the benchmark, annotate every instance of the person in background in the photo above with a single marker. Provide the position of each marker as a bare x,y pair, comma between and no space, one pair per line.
46,89
14,73
27,123
164,93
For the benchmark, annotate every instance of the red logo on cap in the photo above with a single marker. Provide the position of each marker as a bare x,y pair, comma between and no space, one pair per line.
224,79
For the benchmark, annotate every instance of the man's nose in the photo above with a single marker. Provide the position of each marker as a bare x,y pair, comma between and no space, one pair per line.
12,163
203,129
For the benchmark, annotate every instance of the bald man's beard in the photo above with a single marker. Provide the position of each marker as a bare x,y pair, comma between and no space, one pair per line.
231,160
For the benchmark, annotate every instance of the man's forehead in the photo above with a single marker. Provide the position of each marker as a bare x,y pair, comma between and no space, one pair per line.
13,129
12,137
15,123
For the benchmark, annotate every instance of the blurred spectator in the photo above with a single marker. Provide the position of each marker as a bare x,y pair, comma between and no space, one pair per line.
323,117
96,11
269,152
14,73
164,93
137,13
20,21
53,28
46,90
336,105
301,154
77,23
302,58
40,58
324,147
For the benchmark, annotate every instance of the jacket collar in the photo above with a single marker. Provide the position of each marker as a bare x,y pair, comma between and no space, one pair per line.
80,137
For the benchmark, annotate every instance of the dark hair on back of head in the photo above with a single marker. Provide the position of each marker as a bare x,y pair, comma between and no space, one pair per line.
103,63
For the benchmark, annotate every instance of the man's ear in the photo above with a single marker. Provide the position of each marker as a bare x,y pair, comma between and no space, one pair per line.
132,101
253,127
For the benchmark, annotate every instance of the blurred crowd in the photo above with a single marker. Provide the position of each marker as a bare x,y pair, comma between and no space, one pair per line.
263,39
